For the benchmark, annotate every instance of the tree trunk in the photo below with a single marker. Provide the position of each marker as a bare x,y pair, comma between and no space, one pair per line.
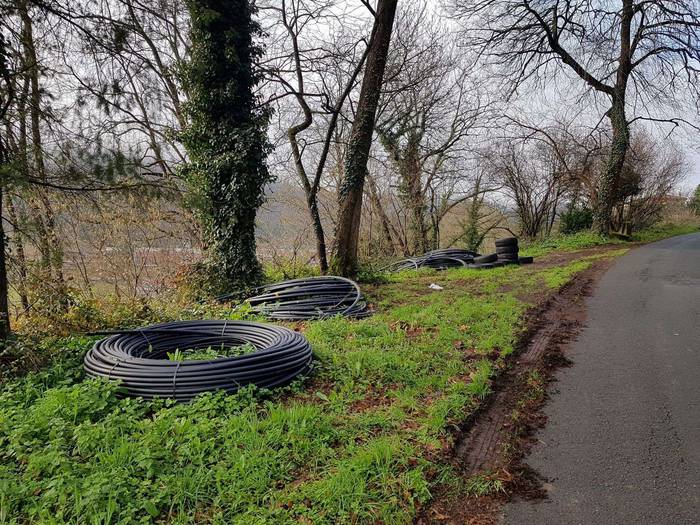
609,179
6,100
383,217
32,66
18,241
310,191
226,138
414,200
472,237
312,201
352,186
4,306
407,161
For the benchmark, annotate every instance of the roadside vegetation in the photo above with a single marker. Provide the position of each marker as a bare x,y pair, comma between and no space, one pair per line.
588,239
367,438
157,154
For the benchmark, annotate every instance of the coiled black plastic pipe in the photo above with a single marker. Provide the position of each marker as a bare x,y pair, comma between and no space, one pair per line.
439,259
138,358
310,298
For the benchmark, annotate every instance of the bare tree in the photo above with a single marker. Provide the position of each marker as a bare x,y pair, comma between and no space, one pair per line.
653,170
428,111
532,176
633,54
357,152
7,96
481,218
128,82
320,75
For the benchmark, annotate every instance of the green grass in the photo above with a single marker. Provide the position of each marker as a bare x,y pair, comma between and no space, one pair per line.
588,239
662,231
365,440
484,484
567,243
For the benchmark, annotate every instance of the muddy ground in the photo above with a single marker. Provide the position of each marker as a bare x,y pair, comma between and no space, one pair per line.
493,443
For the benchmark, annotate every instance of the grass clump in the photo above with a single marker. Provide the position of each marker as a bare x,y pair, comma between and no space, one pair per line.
484,485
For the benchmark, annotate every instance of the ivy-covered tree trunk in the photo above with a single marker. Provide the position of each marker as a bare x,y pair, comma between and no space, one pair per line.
226,135
609,179
406,159
413,197
347,229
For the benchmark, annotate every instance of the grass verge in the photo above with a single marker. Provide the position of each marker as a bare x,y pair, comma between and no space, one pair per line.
588,239
364,440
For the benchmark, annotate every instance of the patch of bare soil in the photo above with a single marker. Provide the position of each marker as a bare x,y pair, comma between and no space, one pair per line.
494,441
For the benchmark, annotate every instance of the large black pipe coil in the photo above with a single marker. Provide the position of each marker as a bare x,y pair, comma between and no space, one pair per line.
309,298
139,358
439,259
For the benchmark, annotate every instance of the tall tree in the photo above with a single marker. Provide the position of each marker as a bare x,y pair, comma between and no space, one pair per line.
226,134
319,71
7,95
633,54
44,207
347,229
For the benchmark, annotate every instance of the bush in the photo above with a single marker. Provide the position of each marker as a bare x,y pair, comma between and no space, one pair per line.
576,220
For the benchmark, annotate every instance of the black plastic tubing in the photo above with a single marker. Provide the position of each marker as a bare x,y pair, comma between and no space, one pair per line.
138,358
310,298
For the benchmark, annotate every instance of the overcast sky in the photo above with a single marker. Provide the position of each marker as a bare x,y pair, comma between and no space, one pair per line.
694,177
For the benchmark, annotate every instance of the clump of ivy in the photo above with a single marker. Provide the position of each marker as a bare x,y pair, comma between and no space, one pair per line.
226,136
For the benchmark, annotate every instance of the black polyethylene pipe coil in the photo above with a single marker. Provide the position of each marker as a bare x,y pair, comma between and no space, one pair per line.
310,298
138,358
458,253
439,259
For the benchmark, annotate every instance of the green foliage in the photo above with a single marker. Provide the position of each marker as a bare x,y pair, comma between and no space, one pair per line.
209,353
226,136
79,313
576,220
695,200
283,269
566,243
557,276
588,239
359,442
662,231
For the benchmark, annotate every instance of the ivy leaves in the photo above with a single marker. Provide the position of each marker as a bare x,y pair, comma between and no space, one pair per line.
226,136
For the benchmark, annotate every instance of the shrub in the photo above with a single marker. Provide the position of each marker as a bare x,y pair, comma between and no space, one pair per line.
576,220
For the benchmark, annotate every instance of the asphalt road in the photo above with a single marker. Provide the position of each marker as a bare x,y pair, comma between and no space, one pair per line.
622,444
